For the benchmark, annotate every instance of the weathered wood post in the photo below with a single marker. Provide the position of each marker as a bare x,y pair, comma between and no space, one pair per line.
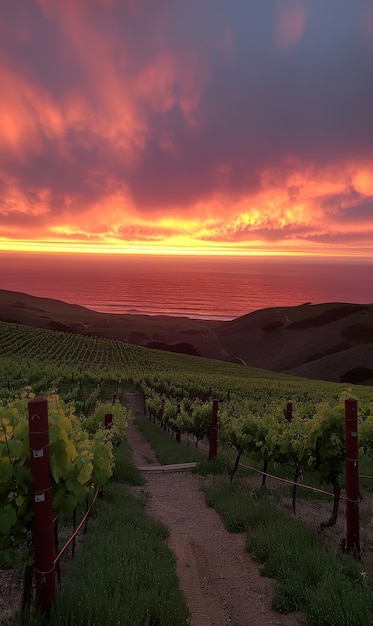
352,478
43,535
108,421
289,411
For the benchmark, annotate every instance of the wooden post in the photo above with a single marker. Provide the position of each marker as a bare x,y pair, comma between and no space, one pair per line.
289,411
352,478
108,421
214,431
43,536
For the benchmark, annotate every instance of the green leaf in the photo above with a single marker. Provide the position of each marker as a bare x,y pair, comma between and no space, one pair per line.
8,517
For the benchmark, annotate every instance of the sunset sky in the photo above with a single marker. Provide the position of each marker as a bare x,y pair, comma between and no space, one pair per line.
178,126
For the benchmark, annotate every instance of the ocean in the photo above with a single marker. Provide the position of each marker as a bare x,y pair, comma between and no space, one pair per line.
218,288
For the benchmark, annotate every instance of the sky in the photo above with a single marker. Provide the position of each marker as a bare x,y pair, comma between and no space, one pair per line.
187,126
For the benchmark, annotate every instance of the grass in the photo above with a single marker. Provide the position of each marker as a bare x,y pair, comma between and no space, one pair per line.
125,573
331,589
125,471
167,449
366,469
312,479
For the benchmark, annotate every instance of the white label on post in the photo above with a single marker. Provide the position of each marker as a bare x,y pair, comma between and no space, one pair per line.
38,453
39,497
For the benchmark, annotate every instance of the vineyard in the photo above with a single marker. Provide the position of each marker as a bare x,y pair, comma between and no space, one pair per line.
268,417
68,362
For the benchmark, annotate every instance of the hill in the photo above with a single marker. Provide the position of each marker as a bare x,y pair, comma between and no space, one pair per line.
179,334
330,341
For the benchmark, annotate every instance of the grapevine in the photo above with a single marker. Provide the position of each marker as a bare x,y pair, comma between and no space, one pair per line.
80,462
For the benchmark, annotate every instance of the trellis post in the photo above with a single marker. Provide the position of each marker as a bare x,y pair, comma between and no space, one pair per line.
43,535
352,478
108,421
289,411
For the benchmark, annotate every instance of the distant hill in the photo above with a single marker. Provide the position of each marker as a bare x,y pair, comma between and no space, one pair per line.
160,331
331,341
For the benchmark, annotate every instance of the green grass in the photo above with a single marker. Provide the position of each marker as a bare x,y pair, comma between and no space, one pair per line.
312,479
125,573
125,471
330,589
167,449
233,502
366,469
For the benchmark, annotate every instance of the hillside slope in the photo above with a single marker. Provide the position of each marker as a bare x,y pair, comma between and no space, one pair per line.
331,341
317,341
179,334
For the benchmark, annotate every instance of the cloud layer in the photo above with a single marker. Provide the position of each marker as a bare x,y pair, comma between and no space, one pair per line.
142,125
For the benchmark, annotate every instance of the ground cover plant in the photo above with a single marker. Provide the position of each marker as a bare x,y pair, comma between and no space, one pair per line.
167,450
124,573
331,589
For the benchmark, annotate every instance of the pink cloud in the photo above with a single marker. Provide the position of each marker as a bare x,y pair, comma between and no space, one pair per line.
139,120
290,24
367,28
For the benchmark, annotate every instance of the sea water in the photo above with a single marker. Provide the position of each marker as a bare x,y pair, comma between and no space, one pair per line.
219,288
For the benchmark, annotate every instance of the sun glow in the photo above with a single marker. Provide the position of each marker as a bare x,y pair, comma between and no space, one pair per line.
175,247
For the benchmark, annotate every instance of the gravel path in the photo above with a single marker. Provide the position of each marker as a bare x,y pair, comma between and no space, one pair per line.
220,582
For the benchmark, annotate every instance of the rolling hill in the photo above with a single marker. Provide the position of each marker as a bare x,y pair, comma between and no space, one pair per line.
330,341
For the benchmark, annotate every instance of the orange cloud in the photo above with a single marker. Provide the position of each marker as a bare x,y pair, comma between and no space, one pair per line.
134,124
26,111
304,207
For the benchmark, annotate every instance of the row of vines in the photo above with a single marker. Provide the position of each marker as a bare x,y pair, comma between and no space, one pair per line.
80,373
306,443
82,460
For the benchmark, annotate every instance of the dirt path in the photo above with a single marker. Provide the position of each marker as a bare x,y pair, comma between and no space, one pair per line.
220,582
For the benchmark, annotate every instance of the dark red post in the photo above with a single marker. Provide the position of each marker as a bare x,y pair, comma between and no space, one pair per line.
108,421
352,478
214,431
289,411
43,536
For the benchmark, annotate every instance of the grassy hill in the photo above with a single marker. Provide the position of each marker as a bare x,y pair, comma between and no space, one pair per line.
179,334
330,341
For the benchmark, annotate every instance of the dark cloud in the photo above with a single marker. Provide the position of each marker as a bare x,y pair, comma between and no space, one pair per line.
174,104
358,213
